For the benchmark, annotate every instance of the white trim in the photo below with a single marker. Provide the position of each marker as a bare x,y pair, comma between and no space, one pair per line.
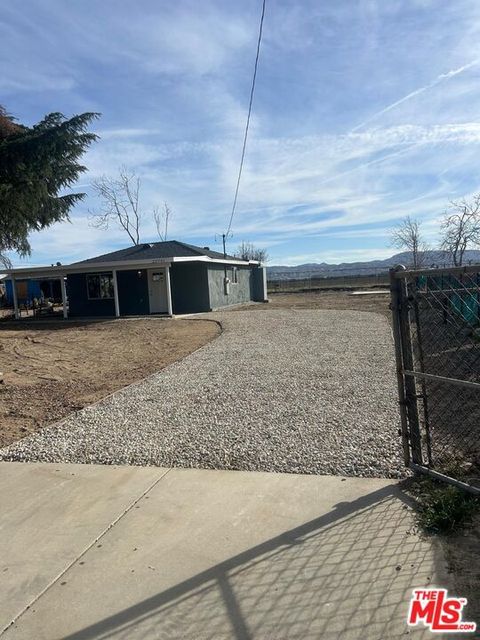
115,294
214,260
123,265
64,297
265,289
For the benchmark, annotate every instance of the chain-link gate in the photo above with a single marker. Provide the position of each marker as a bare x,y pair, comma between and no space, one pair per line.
436,326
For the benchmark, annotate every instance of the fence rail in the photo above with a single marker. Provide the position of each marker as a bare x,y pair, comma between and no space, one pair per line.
436,322
332,280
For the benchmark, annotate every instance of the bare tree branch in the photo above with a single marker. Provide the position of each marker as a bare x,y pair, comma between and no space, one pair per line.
248,251
461,228
407,235
119,203
161,220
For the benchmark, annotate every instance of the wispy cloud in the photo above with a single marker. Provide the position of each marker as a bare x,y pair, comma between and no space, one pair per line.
413,94
172,82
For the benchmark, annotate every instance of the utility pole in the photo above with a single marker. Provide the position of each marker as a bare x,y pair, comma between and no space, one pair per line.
226,281
225,237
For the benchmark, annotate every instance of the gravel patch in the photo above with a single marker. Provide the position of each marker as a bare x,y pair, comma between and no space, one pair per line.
290,391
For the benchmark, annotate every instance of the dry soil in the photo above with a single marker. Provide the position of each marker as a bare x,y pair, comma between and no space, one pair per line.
50,369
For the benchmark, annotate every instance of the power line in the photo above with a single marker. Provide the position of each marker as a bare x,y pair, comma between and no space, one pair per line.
248,119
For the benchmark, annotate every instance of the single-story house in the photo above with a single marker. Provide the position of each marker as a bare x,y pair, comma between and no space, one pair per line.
151,278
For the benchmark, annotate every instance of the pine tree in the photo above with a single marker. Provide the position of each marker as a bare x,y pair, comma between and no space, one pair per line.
36,164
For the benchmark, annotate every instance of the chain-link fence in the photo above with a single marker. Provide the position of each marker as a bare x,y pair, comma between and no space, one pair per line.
304,279
436,316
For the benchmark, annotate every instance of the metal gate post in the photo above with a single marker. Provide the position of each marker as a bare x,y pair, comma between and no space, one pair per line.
423,384
409,381
395,306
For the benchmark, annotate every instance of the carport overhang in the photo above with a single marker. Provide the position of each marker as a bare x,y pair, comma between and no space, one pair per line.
60,272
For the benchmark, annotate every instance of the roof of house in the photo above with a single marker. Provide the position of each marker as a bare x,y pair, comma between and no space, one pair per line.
156,251
137,256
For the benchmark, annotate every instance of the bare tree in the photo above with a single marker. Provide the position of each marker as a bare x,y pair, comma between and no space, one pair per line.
161,220
248,251
461,228
119,203
407,235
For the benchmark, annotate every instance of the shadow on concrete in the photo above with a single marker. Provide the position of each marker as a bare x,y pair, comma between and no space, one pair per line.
347,574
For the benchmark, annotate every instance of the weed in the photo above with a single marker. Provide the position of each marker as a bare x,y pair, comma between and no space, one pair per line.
442,508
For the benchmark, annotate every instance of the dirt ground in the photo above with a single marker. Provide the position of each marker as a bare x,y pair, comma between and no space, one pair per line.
341,300
52,368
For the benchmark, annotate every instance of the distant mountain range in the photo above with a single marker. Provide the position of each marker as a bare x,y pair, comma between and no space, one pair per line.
373,267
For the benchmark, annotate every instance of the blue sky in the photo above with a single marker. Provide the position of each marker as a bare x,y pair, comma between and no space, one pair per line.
364,112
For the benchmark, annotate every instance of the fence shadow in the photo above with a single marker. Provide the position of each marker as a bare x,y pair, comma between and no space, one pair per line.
348,573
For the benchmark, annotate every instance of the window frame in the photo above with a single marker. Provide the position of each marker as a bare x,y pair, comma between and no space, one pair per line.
99,275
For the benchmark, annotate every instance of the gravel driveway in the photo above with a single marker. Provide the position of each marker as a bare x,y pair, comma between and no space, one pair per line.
282,390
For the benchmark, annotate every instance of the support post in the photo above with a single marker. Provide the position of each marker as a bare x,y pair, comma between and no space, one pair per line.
264,283
169,290
407,364
115,294
423,383
410,383
16,310
64,297
395,302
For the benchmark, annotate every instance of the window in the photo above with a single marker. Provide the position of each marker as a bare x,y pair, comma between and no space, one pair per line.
234,278
100,286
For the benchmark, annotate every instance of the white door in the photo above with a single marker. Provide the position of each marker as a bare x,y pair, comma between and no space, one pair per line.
157,291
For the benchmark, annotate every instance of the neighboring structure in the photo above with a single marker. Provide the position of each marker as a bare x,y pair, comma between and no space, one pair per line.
26,291
30,290
161,277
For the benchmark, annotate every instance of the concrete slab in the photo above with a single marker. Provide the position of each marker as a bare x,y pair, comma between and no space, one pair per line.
222,554
50,514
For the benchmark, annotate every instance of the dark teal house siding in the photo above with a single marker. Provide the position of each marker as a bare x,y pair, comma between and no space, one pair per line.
78,302
133,292
195,287
189,284
166,278
239,292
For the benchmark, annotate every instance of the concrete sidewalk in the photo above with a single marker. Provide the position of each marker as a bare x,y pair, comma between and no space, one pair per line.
93,552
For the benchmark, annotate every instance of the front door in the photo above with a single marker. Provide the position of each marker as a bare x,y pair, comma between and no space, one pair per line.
157,291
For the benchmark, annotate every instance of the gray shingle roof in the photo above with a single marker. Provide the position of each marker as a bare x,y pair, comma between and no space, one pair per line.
154,251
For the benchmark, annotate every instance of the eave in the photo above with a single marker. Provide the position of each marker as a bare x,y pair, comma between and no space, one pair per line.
45,273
